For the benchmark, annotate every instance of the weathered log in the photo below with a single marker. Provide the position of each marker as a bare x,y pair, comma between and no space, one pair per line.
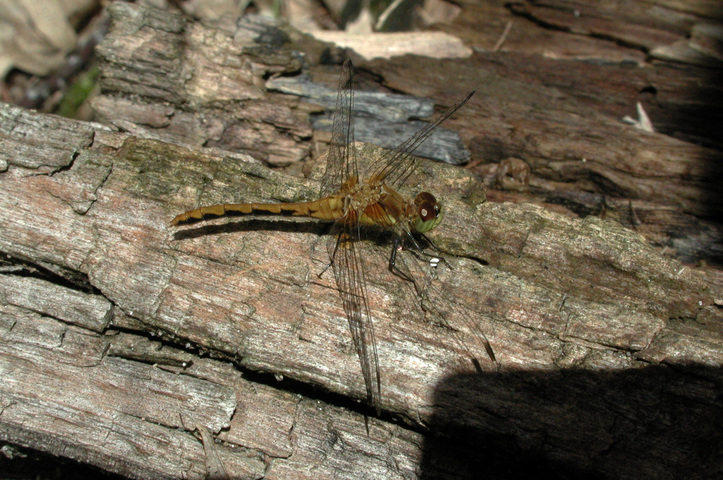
609,352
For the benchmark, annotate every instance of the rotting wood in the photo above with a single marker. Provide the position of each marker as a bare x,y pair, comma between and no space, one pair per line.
219,290
610,352
563,117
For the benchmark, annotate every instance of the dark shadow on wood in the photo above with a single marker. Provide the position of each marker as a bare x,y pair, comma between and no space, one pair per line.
19,462
643,424
708,112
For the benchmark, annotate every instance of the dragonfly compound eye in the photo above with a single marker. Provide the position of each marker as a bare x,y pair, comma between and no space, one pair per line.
429,212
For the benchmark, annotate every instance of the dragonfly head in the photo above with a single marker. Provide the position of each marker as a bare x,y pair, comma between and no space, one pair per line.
427,212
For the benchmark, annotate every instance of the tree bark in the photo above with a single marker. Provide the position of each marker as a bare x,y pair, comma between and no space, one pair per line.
125,339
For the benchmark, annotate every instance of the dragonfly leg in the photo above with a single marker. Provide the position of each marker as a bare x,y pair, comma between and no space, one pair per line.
436,248
396,246
326,267
332,255
331,261
418,252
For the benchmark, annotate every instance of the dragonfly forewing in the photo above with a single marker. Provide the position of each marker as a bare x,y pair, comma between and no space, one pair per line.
395,167
341,163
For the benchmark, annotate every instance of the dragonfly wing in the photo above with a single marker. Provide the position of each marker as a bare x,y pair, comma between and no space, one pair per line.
397,165
419,269
341,158
349,274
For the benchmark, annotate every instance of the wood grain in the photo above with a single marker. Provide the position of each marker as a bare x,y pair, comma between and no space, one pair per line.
120,335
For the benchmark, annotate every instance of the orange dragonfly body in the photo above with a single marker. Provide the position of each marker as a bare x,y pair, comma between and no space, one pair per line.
364,204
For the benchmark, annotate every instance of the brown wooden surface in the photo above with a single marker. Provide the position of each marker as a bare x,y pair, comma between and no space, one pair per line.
122,335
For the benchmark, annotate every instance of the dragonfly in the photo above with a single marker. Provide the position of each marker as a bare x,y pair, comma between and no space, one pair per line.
355,202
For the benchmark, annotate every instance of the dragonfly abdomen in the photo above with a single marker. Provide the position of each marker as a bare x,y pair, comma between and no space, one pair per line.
328,208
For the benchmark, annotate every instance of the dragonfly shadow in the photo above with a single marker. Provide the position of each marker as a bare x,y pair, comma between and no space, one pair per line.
651,422
379,237
254,224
